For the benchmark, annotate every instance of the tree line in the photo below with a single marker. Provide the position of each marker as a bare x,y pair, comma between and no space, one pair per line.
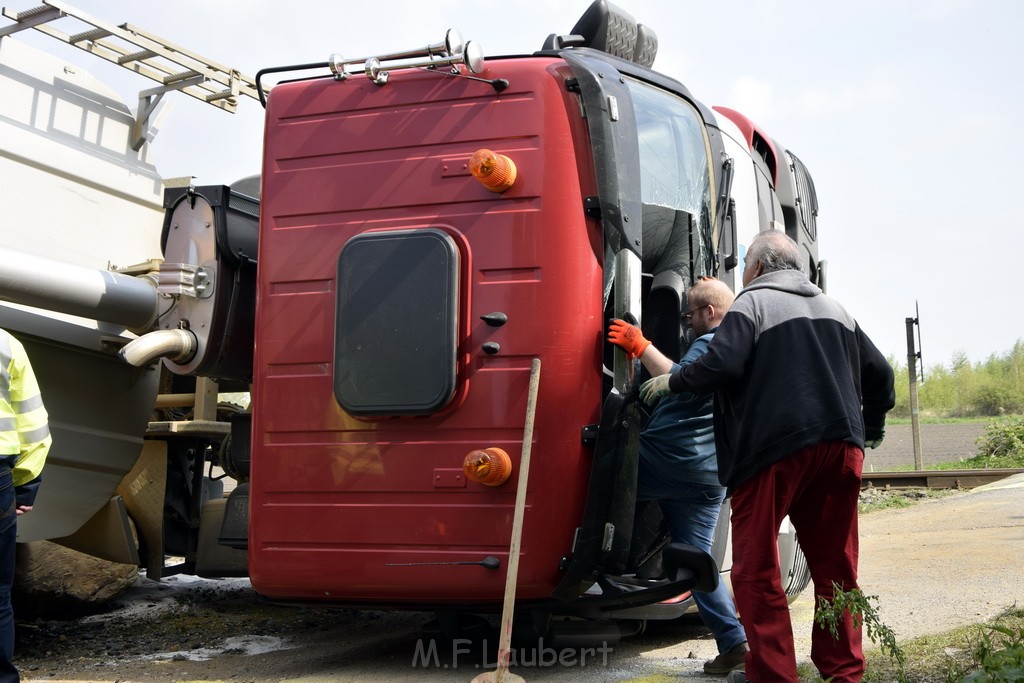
990,388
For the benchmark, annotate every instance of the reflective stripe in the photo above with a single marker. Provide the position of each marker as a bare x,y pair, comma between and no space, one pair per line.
28,405
35,435
23,418
6,356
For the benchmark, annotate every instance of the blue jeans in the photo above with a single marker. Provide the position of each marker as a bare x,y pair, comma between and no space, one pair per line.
691,512
8,538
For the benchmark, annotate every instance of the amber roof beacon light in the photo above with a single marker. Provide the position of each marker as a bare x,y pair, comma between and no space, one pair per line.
490,466
495,171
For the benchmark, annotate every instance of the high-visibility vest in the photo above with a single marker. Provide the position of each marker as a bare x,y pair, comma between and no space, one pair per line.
24,431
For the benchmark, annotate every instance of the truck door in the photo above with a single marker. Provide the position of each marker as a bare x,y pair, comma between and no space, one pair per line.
651,154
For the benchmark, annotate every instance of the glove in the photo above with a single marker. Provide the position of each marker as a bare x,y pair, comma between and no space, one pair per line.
873,437
627,337
655,389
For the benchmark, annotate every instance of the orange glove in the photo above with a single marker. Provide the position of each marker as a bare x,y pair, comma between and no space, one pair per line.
627,337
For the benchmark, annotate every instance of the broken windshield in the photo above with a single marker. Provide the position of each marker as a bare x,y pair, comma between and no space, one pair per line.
673,151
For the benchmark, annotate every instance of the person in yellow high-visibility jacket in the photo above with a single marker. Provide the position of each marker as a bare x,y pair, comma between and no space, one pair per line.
24,443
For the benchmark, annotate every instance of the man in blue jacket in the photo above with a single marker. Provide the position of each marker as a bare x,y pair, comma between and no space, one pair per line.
799,391
677,461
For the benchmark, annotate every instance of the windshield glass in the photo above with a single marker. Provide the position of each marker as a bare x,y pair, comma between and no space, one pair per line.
673,154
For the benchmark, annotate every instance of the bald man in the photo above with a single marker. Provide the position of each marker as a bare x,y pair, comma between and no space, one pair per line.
678,467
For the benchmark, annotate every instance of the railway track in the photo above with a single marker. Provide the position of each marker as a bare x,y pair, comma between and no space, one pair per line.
935,479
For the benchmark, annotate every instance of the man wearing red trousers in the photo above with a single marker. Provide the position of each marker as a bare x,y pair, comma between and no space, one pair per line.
800,390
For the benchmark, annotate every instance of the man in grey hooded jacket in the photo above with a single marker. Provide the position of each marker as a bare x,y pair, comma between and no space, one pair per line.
799,391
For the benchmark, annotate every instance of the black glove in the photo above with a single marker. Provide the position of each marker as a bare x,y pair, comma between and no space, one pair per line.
873,437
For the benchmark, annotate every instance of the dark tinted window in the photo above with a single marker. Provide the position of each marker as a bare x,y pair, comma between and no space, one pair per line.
397,318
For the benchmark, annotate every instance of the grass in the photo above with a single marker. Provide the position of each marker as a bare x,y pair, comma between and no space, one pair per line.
829,614
948,656
982,462
873,500
933,420
978,462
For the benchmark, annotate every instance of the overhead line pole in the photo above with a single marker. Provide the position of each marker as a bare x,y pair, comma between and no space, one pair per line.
915,418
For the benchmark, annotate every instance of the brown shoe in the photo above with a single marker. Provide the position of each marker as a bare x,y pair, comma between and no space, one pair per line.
733,660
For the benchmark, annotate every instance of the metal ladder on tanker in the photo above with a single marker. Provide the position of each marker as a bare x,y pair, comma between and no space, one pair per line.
172,66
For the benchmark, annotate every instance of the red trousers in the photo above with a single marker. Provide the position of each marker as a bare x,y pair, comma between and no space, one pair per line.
818,488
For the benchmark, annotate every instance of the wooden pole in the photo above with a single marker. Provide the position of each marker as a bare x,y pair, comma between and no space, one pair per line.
502,674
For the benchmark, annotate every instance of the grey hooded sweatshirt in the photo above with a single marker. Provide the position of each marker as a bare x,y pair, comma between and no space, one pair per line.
789,368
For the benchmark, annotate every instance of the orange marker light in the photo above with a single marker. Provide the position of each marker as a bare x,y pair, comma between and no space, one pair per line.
490,466
495,171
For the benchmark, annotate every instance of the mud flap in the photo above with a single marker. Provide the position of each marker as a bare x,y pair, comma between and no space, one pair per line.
143,491
214,559
107,535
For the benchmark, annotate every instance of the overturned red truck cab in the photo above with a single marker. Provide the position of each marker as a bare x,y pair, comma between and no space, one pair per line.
402,293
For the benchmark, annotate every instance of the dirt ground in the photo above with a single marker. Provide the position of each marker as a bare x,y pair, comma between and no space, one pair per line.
938,564
939,443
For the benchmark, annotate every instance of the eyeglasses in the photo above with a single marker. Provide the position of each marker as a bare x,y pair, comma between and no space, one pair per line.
689,314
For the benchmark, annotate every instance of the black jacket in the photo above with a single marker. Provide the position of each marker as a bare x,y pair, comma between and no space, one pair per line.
790,368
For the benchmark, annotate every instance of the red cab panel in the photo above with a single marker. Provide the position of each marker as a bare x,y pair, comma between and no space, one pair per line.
379,255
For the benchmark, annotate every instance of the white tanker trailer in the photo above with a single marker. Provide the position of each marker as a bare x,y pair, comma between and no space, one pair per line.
83,274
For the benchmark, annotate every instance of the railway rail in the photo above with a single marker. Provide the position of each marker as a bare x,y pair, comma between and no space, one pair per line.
936,479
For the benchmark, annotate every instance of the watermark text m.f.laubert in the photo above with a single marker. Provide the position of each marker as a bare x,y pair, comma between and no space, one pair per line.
468,653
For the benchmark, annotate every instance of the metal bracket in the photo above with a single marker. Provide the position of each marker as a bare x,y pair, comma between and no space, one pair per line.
148,101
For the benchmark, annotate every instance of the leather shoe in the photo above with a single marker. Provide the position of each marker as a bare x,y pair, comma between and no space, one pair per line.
733,660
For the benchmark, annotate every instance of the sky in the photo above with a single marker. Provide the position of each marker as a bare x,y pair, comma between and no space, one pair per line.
908,115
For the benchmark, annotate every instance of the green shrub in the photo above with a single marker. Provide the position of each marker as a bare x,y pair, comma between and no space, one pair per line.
830,614
999,656
994,397
1002,439
991,388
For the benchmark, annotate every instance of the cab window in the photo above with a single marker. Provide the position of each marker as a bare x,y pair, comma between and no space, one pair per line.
674,169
